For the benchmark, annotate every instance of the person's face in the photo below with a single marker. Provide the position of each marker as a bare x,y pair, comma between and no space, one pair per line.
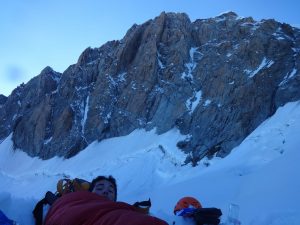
106,189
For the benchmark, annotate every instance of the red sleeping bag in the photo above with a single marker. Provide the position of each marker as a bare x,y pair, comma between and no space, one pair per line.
88,208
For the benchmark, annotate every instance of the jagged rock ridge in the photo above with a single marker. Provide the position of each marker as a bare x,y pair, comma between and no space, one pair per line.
214,79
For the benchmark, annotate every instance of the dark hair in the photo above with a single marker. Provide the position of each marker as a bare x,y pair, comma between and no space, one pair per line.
109,178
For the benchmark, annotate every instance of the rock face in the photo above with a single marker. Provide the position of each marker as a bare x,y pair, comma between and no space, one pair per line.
214,79
2,100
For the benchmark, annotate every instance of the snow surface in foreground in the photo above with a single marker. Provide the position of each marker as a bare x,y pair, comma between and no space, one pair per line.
261,175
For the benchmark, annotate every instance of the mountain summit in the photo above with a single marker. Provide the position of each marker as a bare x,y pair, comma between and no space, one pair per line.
213,79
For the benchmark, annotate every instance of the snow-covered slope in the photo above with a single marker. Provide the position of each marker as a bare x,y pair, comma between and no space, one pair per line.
261,175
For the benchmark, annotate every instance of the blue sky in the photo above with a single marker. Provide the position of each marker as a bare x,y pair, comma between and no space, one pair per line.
35,34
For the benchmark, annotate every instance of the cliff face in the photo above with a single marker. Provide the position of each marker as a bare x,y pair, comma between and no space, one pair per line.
214,79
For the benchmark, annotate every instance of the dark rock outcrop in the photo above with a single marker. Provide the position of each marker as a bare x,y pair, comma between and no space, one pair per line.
2,100
214,79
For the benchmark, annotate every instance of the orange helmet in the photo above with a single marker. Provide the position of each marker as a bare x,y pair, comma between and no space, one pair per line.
187,202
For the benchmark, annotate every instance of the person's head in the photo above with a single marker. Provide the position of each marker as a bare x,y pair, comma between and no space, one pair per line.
105,186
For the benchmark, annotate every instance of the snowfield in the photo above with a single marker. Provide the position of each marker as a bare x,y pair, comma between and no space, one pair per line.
261,175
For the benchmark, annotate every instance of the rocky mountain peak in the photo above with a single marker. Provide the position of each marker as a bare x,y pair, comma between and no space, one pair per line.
227,15
88,56
3,99
47,70
213,79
